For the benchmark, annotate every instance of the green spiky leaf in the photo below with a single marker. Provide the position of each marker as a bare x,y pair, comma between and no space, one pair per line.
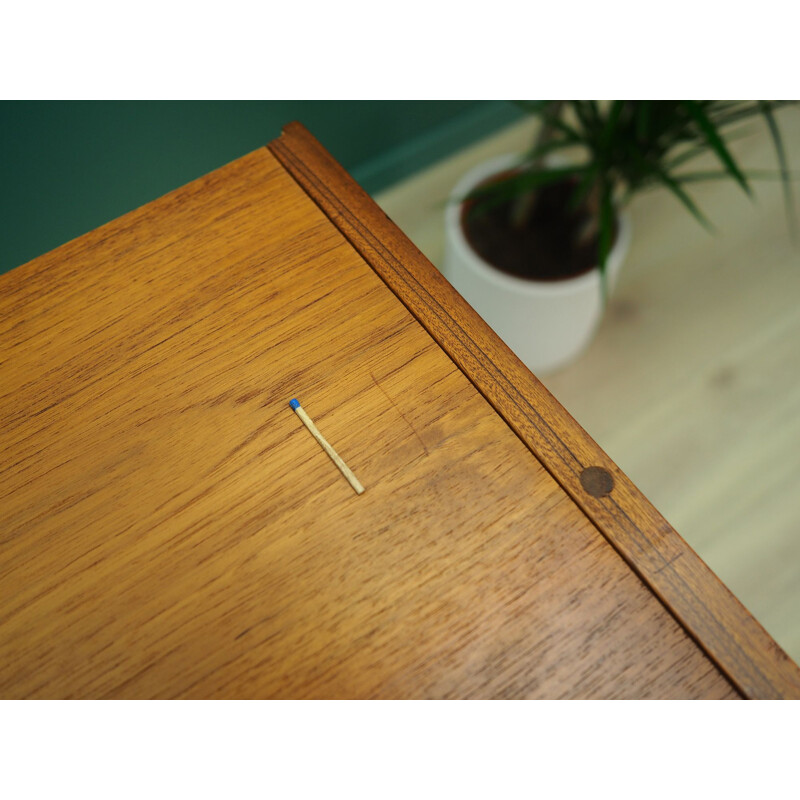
606,235
715,141
679,192
777,140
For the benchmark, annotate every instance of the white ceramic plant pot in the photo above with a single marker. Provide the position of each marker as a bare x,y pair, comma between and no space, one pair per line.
546,323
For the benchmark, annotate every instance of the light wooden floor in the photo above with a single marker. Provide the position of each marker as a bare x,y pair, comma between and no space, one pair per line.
693,383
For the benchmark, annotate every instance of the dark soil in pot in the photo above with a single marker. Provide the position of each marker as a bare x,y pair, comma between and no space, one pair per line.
542,250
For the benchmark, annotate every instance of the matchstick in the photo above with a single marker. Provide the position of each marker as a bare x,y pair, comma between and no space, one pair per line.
344,469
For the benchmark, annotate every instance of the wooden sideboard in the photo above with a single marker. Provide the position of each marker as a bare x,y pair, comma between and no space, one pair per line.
168,527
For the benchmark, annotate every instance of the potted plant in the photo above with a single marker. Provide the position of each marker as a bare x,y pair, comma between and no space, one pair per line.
535,242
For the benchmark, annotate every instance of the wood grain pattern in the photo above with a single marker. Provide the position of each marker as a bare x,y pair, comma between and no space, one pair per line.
703,605
155,541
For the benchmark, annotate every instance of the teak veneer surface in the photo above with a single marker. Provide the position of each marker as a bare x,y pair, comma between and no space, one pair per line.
168,527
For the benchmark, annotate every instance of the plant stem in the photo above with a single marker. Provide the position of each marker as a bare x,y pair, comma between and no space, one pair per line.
591,227
523,206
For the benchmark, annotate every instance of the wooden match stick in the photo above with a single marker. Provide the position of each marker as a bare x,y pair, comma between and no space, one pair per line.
343,468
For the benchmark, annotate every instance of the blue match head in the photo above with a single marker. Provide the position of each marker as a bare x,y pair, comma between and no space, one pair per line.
294,404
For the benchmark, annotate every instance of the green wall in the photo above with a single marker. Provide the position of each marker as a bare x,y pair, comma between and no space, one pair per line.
68,167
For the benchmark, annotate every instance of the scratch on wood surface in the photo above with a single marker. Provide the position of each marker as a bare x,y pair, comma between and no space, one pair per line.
394,405
669,563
